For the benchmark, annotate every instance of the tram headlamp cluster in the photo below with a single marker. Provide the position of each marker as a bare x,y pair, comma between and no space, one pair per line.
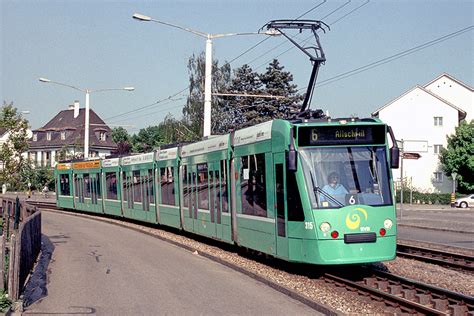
325,227
387,223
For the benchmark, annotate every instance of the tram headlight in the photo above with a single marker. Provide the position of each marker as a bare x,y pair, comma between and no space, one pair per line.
325,227
387,223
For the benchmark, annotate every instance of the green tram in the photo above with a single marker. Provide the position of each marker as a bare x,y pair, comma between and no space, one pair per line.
315,191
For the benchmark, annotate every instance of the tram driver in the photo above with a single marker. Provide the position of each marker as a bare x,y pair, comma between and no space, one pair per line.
334,189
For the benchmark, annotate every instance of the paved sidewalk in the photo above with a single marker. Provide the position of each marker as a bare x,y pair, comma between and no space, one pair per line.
431,207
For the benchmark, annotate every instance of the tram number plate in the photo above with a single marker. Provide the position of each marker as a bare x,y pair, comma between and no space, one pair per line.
352,199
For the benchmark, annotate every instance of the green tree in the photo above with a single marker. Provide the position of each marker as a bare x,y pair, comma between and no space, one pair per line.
174,131
459,156
63,154
277,82
147,139
123,140
41,177
193,111
240,109
16,126
120,134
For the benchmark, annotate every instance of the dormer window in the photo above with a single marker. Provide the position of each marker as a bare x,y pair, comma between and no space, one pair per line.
103,136
35,137
63,135
48,136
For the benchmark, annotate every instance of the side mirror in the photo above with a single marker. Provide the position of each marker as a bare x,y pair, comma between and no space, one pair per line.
292,157
292,160
394,157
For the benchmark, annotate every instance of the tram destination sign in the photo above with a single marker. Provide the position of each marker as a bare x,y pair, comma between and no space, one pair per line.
341,135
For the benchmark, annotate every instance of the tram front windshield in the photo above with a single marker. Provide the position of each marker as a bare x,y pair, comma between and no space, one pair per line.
341,176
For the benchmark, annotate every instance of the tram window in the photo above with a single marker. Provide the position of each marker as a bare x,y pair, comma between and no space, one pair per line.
280,199
64,184
137,192
218,192
125,187
224,193
252,177
111,185
203,186
144,184
97,186
295,209
87,186
130,191
167,186
76,186
151,187
185,187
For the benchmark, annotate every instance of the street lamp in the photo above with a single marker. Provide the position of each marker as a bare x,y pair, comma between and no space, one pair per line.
86,120
208,71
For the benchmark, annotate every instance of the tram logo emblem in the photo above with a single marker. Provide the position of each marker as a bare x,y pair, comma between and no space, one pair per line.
354,217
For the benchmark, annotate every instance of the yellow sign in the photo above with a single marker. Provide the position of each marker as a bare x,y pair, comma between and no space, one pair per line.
86,164
63,166
353,218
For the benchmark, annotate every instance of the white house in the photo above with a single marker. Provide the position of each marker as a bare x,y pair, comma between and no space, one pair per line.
422,119
65,131
454,91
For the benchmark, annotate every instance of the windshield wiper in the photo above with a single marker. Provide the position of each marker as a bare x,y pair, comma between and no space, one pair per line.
327,195
317,189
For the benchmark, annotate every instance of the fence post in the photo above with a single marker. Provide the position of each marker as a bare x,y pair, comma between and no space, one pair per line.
17,213
3,216
2,262
7,219
11,266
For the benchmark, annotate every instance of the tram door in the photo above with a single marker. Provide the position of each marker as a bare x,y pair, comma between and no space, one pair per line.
95,194
192,197
78,189
280,204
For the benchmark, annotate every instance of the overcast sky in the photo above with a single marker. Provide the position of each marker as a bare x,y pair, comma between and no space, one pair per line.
96,44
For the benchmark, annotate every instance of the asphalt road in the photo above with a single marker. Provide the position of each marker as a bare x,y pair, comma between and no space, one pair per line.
452,239
435,224
95,268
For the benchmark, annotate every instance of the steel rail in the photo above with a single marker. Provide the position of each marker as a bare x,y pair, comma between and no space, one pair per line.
448,259
405,295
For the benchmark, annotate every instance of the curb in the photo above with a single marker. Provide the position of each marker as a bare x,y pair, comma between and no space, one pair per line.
435,228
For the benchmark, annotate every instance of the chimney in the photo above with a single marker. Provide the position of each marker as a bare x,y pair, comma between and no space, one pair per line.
76,108
70,107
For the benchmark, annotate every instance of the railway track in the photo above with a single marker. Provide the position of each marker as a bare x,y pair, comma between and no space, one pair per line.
448,259
401,295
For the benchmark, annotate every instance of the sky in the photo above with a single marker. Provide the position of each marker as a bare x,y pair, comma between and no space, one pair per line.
95,44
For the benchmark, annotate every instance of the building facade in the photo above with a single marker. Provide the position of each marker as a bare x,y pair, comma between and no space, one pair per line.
63,137
422,118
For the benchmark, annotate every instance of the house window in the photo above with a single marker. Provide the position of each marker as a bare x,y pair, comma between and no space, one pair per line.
437,149
438,121
438,176
35,137
63,135
48,136
103,136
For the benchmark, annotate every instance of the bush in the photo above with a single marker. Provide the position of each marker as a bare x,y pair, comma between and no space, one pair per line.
5,302
424,198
